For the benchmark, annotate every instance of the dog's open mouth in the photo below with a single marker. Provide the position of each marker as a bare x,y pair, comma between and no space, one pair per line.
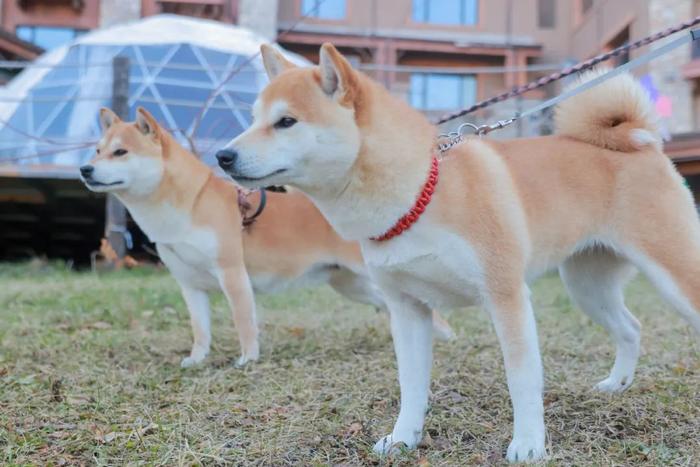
241,178
95,183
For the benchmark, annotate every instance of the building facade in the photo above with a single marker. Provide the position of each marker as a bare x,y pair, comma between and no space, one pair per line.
439,55
421,49
385,38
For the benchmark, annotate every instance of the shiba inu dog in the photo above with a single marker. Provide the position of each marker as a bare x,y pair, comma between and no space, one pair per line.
480,221
194,219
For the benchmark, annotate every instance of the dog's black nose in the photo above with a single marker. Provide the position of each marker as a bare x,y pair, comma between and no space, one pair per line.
226,157
87,170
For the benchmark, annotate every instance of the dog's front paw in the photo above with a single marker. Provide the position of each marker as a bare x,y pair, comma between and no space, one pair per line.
443,333
392,444
249,353
613,385
244,359
526,449
192,360
387,446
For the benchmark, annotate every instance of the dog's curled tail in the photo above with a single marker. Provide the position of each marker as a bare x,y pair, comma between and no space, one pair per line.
616,114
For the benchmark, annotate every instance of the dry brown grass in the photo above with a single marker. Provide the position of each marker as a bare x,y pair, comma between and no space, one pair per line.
89,375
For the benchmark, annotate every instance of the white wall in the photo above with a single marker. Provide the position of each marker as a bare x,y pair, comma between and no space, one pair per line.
118,11
259,16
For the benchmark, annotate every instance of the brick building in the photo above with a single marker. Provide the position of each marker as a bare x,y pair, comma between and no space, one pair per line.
13,48
391,39
439,55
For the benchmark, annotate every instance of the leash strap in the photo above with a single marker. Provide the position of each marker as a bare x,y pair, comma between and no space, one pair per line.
631,65
579,67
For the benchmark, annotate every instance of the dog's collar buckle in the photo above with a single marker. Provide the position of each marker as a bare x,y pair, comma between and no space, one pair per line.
422,201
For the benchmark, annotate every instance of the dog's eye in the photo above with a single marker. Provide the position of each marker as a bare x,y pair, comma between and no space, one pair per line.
285,122
119,152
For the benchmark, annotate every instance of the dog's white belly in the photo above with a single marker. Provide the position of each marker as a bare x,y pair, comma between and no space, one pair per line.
421,279
443,274
273,283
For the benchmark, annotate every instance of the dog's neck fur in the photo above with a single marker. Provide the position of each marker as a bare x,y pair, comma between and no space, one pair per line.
184,178
397,143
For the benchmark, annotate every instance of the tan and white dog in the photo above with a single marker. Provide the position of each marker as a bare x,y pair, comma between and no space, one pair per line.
595,200
194,218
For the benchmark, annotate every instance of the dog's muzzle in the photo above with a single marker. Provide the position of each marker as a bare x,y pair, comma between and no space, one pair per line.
226,158
86,171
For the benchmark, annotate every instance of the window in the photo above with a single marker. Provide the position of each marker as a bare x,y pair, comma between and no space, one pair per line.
47,37
431,91
452,12
323,9
547,13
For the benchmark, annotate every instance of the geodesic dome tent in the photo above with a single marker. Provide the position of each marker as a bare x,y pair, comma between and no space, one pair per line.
199,78
48,113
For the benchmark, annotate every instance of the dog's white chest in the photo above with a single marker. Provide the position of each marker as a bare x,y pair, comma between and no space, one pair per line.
189,251
163,223
443,273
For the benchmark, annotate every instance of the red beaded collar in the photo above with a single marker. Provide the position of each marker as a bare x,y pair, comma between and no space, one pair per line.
419,206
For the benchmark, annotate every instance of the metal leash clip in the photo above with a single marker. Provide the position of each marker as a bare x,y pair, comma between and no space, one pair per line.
484,130
448,140
455,137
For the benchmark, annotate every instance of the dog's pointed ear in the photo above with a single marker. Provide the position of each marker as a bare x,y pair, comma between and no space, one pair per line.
108,118
337,75
274,61
146,124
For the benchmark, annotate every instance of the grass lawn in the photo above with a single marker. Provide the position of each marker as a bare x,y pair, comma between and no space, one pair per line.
89,374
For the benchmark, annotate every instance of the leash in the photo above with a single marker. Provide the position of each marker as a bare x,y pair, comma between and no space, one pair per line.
631,65
579,67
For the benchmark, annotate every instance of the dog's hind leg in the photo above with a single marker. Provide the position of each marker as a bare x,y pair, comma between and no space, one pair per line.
673,266
667,250
198,305
355,286
595,280
441,328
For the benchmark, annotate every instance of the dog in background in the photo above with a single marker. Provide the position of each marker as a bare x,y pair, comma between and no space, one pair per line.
481,221
194,218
